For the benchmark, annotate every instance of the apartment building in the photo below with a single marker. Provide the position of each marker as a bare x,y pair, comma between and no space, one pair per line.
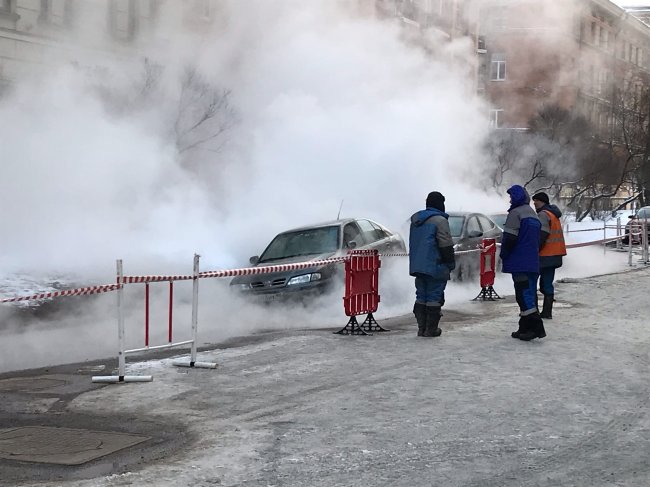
35,34
566,52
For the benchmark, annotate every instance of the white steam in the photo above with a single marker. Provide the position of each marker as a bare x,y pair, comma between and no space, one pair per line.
331,106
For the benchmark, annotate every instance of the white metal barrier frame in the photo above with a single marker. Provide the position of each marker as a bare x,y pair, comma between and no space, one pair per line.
121,279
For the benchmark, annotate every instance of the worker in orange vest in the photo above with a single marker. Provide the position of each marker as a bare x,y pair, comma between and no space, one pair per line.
551,249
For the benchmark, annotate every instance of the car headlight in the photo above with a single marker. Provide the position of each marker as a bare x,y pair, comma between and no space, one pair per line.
305,278
242,287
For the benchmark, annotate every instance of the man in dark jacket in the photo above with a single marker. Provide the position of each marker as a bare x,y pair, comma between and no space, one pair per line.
520,257
431,259
552,249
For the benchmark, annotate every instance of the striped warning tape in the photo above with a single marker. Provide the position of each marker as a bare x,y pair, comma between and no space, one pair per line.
271,268
82,291
145,279
593,242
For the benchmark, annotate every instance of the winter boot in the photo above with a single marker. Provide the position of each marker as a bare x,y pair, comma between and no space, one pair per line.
535,328
521,329
433,318
547,309
420,312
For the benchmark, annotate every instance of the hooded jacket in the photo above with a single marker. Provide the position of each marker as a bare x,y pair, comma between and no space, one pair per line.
431,248
521,234
552,246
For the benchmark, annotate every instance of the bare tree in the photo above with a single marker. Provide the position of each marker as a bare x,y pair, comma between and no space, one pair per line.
198,113
204,114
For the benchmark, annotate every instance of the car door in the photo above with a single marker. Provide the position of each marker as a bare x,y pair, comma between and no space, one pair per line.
473,232
490,229
373,236
352,237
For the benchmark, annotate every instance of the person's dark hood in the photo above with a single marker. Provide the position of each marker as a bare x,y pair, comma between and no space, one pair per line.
519,196
423,215
552,208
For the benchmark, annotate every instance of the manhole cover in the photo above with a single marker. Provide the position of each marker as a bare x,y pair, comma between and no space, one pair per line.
28,384
63,446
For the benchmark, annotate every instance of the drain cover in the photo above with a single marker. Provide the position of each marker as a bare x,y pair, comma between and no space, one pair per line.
28,384
62,446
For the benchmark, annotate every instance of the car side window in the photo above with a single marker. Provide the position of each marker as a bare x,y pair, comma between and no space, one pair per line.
351,232
368,231
380,232
486,223
473,225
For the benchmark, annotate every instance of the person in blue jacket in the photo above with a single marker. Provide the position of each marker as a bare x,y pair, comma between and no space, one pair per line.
520,257
431,260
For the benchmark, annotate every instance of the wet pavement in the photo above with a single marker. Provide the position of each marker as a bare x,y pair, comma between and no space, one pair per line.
471,408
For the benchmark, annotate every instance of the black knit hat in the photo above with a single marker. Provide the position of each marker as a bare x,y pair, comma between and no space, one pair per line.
436,200
541,196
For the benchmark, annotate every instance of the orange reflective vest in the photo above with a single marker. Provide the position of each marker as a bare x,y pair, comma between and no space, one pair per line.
555,242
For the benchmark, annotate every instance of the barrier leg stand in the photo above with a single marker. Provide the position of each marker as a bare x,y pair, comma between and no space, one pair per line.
121,357
195,321
487,294
370,324
352,328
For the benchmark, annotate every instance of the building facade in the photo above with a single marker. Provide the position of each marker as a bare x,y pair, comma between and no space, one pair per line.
569,53
34,34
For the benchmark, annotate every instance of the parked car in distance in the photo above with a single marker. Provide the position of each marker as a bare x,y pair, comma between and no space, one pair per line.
642,217
499,219
468,229
314,242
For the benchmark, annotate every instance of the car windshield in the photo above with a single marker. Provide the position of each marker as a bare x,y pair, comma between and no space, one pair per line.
456,225
311,241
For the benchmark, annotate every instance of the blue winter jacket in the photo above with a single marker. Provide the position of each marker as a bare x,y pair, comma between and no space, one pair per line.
430,245
520,242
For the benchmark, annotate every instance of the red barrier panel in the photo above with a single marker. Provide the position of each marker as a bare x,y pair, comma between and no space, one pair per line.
361,282
488,270
488,261
361,291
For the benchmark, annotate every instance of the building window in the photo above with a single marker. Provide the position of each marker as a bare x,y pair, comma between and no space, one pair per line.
123,19
498,18
496,117
6,6
604,38
56,12
595,33
498,67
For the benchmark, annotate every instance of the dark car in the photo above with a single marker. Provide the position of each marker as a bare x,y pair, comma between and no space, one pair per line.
468,229
637,221
309,243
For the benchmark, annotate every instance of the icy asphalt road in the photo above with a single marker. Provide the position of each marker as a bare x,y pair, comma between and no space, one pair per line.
471,408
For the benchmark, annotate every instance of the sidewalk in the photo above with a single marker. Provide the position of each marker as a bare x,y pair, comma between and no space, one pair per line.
471,408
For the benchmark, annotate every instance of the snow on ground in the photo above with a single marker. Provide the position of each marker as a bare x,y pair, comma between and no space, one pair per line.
472,408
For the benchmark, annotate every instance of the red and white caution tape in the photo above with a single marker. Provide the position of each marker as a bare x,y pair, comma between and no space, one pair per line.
145,279
271,268
593,242
82,291
587,230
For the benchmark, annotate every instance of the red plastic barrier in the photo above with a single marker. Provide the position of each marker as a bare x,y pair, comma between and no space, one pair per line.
361,282
488,270
488,261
